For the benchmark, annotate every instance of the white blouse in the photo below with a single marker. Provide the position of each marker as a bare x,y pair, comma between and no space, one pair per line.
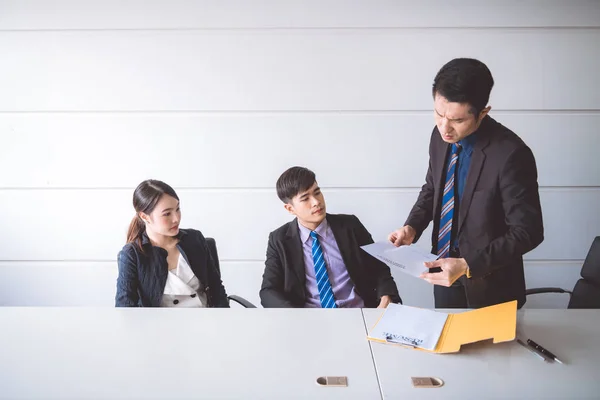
183,289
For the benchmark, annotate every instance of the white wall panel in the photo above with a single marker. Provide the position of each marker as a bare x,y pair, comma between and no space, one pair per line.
289,70
251,150
216,14
91,224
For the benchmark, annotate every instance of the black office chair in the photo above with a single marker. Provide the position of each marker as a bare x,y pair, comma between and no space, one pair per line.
212,247
586,293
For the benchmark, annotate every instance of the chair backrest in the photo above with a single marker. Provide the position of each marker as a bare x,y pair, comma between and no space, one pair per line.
590,271
586,293
212,249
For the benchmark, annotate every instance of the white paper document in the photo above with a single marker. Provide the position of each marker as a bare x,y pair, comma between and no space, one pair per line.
411,326
408,259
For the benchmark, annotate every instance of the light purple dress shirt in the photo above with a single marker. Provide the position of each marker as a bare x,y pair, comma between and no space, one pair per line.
342,285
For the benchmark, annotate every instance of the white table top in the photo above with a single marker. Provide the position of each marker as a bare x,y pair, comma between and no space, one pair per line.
82,353
505,370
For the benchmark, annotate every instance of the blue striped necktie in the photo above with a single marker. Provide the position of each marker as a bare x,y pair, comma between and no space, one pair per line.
323,284
447,213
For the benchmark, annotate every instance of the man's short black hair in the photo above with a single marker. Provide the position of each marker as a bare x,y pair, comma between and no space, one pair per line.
294,181
465,80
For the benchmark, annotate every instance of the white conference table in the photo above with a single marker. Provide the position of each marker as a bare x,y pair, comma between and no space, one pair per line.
107,353
502,371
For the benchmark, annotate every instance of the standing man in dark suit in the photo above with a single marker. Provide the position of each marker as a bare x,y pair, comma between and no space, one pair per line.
481,192
316,260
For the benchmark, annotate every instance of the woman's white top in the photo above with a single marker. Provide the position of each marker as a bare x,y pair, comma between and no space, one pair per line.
183,289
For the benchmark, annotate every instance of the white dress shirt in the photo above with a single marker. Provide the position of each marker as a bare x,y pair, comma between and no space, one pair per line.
183,289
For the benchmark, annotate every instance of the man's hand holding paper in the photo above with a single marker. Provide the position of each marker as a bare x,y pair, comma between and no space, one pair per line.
448,269
403,236
451,270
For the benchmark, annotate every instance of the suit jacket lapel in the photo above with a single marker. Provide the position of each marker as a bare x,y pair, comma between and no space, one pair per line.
342,239
293,246
160,271
438,172
477,161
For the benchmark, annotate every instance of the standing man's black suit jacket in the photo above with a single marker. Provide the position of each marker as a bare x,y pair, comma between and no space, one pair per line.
284,279
499,216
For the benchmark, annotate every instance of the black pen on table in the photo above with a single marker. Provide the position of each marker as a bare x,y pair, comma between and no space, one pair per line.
531,350
544,351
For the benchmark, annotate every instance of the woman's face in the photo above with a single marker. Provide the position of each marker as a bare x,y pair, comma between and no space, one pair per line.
165,218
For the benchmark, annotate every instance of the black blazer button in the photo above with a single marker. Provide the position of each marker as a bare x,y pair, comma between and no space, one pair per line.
175,301
193,295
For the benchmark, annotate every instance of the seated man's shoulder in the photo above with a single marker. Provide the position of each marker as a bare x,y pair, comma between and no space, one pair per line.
282,230
343,218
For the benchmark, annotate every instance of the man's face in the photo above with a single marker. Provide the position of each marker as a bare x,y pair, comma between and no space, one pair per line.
308,206
454,120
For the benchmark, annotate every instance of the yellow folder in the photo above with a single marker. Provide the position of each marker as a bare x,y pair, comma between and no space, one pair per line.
497,322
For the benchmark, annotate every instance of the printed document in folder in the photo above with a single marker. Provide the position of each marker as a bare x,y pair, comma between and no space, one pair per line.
411,326
409,259
439,332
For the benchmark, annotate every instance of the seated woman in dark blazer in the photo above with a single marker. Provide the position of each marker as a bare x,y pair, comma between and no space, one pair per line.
162,265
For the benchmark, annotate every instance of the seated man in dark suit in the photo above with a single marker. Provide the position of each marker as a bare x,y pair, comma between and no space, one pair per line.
316,260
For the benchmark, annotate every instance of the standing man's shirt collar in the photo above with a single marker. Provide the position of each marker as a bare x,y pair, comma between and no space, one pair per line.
305,232
468,143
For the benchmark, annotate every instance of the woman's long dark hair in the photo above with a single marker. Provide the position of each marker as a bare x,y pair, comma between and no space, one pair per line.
145,198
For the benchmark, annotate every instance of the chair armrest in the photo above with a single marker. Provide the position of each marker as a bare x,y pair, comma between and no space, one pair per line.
242,301
546,290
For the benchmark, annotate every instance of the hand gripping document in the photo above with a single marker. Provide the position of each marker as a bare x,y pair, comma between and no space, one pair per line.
439,332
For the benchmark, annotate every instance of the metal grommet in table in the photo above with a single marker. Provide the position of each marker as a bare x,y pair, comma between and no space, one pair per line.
332,381
427,382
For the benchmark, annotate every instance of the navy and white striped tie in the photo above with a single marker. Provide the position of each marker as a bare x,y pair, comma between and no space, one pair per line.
323,284
447,213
